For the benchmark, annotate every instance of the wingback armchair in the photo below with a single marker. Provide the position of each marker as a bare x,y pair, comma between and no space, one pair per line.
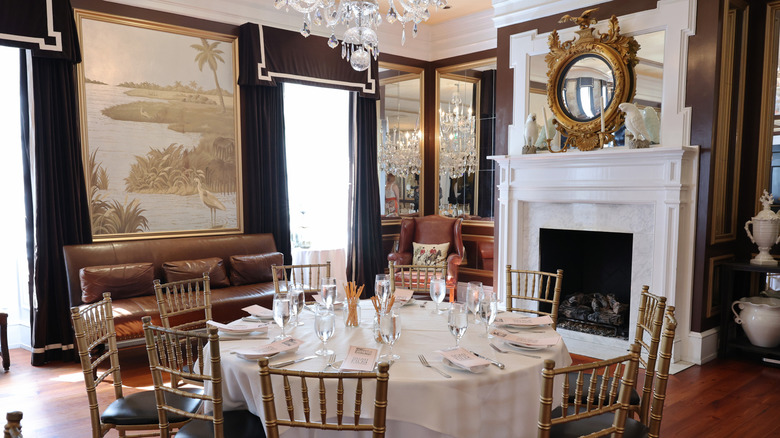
431,230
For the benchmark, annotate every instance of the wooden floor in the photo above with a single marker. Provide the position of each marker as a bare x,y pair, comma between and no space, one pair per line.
724,398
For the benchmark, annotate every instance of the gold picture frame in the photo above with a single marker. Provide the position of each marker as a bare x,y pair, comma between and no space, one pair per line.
160,128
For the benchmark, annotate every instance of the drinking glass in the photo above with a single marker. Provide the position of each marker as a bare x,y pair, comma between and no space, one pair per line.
324,325
329,291
438,291
299,300
473,292
458,321
283,312
390,331
488,309
382,290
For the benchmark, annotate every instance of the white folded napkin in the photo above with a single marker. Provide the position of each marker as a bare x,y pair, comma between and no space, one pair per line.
283,346
523,321
528,340
240,327
464,359
256,310
402,296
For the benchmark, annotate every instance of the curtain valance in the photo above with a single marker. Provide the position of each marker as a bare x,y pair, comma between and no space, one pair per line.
44,26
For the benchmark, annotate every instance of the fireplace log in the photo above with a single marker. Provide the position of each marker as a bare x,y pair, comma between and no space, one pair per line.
606,317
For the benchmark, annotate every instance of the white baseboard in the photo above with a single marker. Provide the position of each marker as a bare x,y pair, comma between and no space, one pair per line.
19,336
704,345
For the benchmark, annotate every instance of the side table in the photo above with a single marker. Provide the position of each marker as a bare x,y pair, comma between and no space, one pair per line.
4,341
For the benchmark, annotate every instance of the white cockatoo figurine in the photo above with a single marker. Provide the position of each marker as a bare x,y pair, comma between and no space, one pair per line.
531,129
635,124
652,123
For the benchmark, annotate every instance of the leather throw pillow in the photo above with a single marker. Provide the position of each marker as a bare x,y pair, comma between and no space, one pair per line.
192,269
253,268
430,253
123,281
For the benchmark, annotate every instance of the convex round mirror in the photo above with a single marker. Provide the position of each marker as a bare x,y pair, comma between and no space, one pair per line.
587,87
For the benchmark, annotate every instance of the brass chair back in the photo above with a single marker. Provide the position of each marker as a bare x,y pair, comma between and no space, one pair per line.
95,333
175,352
612,394
648,324
309,276
272,421
538,286
13,427
184,297
415,277
662,373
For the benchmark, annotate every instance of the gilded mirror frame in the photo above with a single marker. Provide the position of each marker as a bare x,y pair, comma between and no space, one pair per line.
411,73
451,72
619,52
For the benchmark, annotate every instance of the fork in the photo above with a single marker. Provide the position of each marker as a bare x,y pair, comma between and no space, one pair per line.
331,361
425,363
493,346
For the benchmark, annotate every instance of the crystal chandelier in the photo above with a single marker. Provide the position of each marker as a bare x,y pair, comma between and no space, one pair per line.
399,152
458,146
361,17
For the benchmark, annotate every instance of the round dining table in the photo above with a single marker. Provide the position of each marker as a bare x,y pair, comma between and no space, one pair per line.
421,402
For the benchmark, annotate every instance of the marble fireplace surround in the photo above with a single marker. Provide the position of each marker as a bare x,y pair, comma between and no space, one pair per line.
647,192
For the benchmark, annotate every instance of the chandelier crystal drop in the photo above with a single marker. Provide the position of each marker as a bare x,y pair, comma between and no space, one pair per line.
361,17
458,146
399,153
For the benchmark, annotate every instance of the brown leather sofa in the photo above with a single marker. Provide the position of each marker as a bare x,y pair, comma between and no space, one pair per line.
431,230
128,311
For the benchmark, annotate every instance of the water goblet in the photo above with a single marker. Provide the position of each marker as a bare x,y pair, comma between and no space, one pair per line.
329,291
324,326
458,321
299,300
438,290
488,309
283,312
390,331
473,292
382,290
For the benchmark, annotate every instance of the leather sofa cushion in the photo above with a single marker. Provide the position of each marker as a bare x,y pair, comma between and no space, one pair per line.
189,269
430,254
123,281
253,268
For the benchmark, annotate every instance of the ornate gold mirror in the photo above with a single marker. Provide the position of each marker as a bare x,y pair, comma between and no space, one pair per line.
588,78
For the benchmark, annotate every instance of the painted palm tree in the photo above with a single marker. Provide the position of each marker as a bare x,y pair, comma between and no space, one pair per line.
209,53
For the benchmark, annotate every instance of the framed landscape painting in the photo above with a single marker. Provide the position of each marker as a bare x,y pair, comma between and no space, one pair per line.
160,128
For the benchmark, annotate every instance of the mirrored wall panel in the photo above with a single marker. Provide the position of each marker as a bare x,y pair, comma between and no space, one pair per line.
465,137
400,140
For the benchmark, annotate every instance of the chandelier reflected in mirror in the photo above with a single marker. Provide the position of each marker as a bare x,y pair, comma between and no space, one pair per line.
361,17
457,140
399,153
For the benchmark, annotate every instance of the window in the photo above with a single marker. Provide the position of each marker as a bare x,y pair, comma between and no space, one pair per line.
317,137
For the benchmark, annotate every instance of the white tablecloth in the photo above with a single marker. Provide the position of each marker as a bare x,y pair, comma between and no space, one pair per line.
314,256
494,403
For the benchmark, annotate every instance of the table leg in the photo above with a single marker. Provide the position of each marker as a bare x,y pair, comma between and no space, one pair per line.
4,341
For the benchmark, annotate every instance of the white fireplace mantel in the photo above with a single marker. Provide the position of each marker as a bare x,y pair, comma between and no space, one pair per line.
648,192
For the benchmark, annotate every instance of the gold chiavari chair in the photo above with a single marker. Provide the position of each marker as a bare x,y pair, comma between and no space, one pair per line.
538,286
309,276
94,329
415,277
175,352
184,297
299,378
13,426
604,413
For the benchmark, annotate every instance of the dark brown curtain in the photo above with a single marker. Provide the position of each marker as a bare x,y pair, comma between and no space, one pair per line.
487,142
61,215
364,257
266,204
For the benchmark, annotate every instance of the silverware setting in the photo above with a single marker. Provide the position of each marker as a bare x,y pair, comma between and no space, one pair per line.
493,346
331,361
425,363
494,362
290,362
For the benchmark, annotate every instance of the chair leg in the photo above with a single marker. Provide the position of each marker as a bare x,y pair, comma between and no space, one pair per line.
4,341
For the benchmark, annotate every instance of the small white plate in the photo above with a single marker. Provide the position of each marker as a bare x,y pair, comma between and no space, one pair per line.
476,370
257,318
254,356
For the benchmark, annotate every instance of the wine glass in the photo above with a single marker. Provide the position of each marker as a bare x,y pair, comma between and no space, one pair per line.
329,291
473,292
390,331
283,312
382,290
488,309
324,325
438,290
299,300
458,321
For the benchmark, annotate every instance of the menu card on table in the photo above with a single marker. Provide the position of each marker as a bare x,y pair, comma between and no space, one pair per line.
359,359
526,321
260,311
463,358
287,344
529,340
240,327
403,296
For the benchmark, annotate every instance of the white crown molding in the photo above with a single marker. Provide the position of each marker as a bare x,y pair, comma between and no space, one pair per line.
473,33
507,12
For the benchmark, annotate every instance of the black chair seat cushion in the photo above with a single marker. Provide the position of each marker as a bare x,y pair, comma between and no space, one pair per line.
141,408
634,400
238,424
634,429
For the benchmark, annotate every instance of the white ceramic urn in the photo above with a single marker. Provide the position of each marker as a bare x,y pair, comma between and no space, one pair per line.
766,232
760,318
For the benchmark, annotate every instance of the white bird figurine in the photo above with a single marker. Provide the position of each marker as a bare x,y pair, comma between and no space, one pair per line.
531,129
209,200
652,123
635,124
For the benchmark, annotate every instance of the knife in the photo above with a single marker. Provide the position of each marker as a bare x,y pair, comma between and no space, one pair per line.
498,364
290,362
